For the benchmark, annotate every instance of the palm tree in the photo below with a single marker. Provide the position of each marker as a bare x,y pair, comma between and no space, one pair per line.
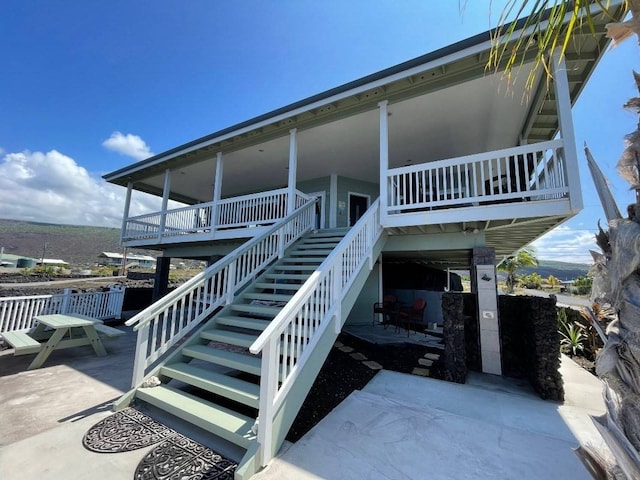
525,257
553,282
617,276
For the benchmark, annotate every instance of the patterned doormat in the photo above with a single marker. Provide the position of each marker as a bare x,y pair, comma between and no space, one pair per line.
176,457
181,458
126,430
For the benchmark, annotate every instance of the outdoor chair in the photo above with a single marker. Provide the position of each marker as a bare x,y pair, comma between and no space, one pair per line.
387,308
412,316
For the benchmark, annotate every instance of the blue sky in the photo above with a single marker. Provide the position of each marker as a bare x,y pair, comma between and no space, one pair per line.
89,87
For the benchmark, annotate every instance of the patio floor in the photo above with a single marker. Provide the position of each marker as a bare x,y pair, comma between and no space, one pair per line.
400,425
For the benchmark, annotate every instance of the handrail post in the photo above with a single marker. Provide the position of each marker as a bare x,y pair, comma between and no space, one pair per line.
268,385
66,301
141,354
337,293
231,280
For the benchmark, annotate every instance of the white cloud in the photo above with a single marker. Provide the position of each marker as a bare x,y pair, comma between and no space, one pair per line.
52,187
129,144
566,244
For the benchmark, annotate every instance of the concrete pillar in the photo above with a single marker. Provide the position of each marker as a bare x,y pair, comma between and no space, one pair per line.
485,285
161,280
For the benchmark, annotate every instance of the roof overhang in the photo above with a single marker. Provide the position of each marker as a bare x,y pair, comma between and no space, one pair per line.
457,64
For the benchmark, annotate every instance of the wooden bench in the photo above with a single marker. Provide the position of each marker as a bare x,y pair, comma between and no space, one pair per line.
107,331
22,343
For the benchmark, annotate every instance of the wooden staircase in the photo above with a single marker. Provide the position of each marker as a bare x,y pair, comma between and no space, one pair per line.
212,380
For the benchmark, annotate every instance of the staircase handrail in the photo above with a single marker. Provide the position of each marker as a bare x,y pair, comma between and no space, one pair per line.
143,317
327,283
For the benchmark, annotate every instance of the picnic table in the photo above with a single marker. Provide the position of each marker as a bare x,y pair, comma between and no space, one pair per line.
58,331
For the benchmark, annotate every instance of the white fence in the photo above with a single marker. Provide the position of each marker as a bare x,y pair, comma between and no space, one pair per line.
16,313
527,173
256,209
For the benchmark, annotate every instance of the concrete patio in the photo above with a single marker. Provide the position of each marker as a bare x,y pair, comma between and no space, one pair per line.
399,426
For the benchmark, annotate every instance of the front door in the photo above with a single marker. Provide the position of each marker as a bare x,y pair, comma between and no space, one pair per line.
358,204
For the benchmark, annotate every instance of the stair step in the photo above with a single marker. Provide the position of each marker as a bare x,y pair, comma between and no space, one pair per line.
237,361
225,423
328,232
317,260
277,286
287,276
243,322
229,387
299,268
232,338
297,253
268,296
315,246
267,310
316,240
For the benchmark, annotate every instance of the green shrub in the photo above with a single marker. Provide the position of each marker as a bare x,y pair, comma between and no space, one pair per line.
533,281
582,285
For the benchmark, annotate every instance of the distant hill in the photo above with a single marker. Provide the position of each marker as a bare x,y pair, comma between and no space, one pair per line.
560,270
75,244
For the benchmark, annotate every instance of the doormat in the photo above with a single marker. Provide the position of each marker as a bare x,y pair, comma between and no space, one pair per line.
126,430
181,458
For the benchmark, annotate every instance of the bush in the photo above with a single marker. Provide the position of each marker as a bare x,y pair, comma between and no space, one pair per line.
533,281
582,285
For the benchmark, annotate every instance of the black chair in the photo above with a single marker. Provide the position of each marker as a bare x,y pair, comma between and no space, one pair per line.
412,316
388,309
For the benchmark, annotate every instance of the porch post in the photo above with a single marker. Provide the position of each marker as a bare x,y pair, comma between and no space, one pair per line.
384,158
565,124
165,202
217,191
293,165
125,215
484,284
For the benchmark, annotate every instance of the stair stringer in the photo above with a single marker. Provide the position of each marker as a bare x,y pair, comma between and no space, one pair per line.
286,415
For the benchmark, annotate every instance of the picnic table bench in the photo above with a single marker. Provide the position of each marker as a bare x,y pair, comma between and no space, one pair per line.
56,332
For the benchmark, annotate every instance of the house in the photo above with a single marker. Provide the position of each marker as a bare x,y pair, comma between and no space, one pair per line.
54,262
115,259
298,211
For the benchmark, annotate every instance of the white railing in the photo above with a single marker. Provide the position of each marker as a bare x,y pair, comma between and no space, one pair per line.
168,320
16,313
290,338
257,209
530,172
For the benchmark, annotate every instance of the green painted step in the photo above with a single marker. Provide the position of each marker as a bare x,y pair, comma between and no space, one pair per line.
249,323
237,361
267,310
277,286
310,240
312,246
297,253
317,260
232,338
286,276
229,387
300,268
268,296
225,423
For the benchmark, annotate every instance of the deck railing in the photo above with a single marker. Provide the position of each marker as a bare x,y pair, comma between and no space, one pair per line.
257,209
290,338
530,172
17,313
168,320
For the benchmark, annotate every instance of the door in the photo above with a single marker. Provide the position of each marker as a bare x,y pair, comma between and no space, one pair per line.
319,214
358,204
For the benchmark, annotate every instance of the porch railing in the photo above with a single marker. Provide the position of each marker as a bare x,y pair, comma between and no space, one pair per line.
17,313
257,209
168,320
290,338
530,172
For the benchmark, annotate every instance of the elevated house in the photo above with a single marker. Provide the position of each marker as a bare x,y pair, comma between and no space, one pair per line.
114,259
299,210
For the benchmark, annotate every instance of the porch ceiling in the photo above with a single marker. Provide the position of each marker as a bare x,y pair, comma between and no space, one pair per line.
506,236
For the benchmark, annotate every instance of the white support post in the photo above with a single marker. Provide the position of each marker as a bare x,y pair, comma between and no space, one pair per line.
125,215
139,364
268,388
66,301
333,201
384,159
165,202
217,191
293,166
565,123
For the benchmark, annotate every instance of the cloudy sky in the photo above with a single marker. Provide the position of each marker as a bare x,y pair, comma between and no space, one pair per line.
89,87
